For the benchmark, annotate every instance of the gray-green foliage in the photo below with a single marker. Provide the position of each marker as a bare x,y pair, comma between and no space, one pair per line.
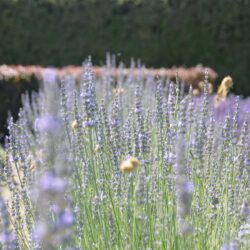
63,186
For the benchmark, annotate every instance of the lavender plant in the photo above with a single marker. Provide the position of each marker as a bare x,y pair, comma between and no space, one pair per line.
125,163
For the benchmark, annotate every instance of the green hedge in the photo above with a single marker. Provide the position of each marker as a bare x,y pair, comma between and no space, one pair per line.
159,32
10,96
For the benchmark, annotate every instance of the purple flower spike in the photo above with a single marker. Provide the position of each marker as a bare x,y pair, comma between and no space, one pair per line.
90,123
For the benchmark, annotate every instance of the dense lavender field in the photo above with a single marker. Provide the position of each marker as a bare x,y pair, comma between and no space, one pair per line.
143,165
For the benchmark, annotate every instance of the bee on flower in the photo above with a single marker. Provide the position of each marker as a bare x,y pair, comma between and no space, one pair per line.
129,165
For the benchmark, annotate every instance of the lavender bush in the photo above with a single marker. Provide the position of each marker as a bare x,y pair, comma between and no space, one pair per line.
125,163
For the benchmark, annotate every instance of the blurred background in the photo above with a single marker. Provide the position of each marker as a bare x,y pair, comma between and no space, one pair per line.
162,33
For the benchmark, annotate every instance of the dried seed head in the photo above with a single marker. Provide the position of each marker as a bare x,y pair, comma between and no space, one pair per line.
196,92
227,82
33,165
201,85
134,161
210,88
74,125
130,165
223,90
118,91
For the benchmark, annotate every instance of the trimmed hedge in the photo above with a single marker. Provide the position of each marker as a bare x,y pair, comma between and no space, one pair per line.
161,33
10,96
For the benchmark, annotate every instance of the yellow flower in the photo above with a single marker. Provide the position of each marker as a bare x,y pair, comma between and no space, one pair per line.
228,82
129,165
74,125
224,87
223,90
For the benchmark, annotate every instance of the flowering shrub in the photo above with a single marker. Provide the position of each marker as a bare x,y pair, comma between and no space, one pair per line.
17,79
144,166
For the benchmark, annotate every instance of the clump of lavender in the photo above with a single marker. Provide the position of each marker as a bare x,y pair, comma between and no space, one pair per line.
88,96
184,190
70,174
51,190
7,236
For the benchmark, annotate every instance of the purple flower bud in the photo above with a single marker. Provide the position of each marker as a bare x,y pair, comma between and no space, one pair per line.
247,162
51,183
66,218
90,123
47,123
230,246
170,158
8,239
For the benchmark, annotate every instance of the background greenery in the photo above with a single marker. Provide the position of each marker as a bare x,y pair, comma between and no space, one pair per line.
161,33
